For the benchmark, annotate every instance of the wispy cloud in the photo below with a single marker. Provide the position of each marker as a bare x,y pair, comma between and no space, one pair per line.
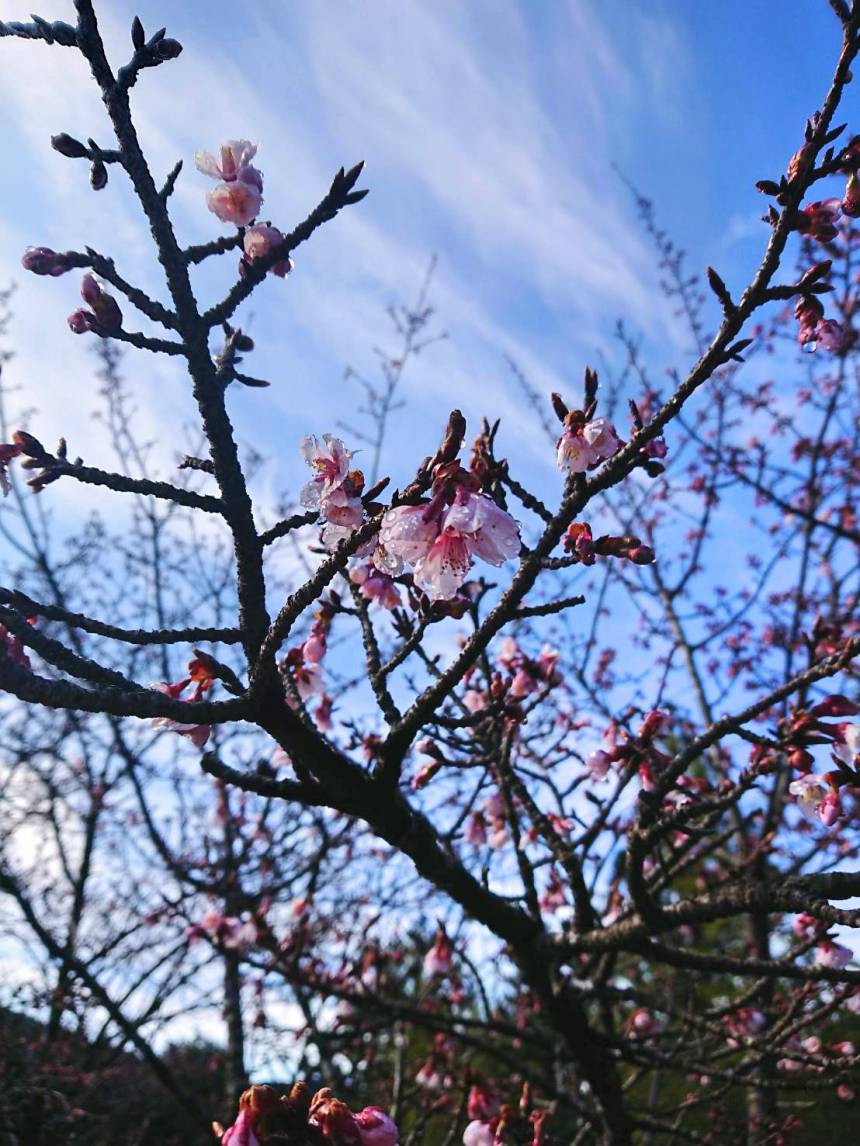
485,130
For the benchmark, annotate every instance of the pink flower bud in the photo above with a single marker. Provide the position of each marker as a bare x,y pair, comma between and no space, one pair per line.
478,1133
314,648
375,1128
80,321
91,292
44,261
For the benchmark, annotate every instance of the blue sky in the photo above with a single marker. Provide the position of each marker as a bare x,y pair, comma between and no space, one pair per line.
489,130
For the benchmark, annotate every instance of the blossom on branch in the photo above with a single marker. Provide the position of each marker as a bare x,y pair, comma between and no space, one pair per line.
440,540
335,489
584,445
239,194
259,240
104,316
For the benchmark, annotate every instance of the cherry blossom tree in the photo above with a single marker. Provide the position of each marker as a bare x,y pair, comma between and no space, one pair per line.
615,813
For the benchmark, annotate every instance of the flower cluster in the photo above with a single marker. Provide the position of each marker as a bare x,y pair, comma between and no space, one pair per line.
299,1117
441,538
817,794
304,663
104,315
618,747
334,490
585,444
528,676
201,675
239,194
226,930
508,1125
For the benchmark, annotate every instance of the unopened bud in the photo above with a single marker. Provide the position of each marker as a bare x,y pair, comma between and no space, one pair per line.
28,445
835,705
91,290
80,321
168,49
801,759
138,36
300,1097
69,146
558,406
641,555
98,176
44,261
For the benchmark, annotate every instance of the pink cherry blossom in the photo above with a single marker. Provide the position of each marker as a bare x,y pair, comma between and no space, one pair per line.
804,925
241,1133
259,240
583,446
600,435
408,531
598,763
816,798
238,196
443,570
832,336
309,680
375,1128
330,459
482,1103
236,202
475,701
641,1022
831,954
375,585
492,534
440,543
847,748
439,959
475,832
478,1133
233,163
198,734
314,648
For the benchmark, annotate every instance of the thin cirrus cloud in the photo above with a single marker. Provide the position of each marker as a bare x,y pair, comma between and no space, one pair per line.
487,129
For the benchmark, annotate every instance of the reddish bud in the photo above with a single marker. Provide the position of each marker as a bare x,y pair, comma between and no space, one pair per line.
44,261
